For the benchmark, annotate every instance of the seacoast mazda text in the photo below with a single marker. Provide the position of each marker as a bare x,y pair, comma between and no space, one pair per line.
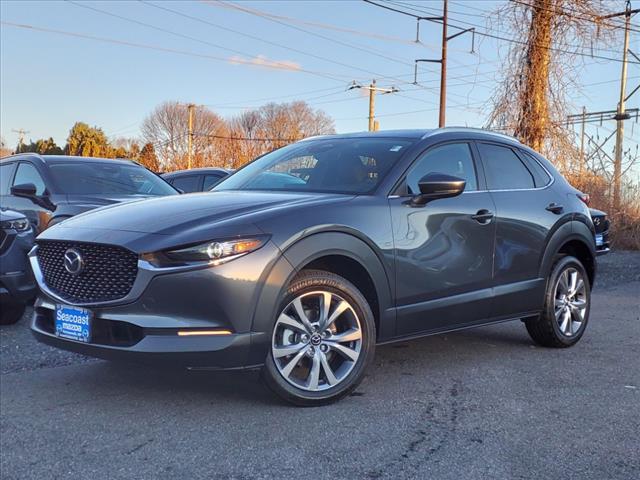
304,260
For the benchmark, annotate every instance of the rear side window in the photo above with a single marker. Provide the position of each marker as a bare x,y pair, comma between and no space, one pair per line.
540,175
187,184
453,159
504,169
210,181
6,172
27,173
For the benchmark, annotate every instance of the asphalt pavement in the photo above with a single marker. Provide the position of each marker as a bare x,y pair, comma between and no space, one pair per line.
484,403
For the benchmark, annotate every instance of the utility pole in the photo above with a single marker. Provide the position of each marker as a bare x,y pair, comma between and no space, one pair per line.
372,103
443,67
584,117
373,89
443,58
598,118
621,115
21,133
190,109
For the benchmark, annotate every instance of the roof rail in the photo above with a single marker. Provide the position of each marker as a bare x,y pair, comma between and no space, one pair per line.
472,129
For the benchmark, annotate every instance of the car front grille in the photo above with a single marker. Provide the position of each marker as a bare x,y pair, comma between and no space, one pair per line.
108,272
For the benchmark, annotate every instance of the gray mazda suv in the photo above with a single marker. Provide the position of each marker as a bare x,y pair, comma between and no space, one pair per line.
305,259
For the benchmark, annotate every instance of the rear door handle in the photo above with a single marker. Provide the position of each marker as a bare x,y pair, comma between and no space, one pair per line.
483,216
555,208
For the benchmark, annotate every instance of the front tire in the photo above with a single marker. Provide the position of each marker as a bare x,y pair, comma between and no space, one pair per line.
322,340
567,305
11,313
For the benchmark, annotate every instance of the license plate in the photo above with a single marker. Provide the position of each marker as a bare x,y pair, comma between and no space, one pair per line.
73,323
599,240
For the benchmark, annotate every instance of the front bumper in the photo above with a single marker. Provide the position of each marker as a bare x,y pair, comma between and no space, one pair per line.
17,284
602,243
145,329
153,347
17,287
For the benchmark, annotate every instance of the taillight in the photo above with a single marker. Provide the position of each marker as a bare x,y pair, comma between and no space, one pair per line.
584,197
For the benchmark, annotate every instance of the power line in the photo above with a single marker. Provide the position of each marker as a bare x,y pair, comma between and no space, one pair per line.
170,32
240,61
336,28
507,39
579,16
266,16
367,50
261,39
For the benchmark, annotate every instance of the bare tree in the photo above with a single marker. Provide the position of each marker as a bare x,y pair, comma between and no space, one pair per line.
4,150
531,101
275,125
167,129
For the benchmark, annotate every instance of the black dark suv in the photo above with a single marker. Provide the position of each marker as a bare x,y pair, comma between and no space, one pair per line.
302,261
51,188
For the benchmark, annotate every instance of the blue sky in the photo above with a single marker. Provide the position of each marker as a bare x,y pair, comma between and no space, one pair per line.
51,80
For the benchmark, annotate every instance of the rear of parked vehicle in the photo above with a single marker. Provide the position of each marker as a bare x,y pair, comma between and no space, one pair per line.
196,179
304,260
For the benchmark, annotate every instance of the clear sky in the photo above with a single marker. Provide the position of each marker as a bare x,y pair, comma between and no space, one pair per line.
210,53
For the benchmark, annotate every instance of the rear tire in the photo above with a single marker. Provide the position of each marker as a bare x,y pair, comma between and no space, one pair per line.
566,308
11,313
322,340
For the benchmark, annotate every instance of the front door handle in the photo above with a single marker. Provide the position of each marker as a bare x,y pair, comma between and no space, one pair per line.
555,208
483,216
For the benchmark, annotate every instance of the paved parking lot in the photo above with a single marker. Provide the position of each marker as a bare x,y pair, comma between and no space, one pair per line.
484,403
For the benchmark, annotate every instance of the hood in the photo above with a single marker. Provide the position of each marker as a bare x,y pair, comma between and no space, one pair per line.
88,202
7,215
192,212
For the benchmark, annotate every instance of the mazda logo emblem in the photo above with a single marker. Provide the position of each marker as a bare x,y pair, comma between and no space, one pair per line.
73,262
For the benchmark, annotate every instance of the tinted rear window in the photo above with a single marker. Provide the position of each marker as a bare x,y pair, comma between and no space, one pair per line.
540,175
210,180
187,184
504,169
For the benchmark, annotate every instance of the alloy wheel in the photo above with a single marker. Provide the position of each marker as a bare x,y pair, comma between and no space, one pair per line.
316,341
570,302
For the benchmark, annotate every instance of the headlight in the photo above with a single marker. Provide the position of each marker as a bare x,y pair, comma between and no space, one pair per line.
20,225
211,253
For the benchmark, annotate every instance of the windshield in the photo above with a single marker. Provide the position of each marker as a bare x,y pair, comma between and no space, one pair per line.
102,178
343,165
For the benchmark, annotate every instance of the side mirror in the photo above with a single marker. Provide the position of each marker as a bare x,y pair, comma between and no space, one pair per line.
438,185
27,190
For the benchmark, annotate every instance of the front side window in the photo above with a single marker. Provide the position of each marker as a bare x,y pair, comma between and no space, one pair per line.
104,178
344,165
505,171
452,159
27,173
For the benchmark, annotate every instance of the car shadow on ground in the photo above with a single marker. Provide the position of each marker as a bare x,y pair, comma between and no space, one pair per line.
436,354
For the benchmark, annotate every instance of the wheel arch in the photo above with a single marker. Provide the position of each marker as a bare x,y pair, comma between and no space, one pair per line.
572,238
340,253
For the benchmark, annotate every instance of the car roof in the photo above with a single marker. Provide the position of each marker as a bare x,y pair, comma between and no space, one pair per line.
53,159
418,134
193,171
